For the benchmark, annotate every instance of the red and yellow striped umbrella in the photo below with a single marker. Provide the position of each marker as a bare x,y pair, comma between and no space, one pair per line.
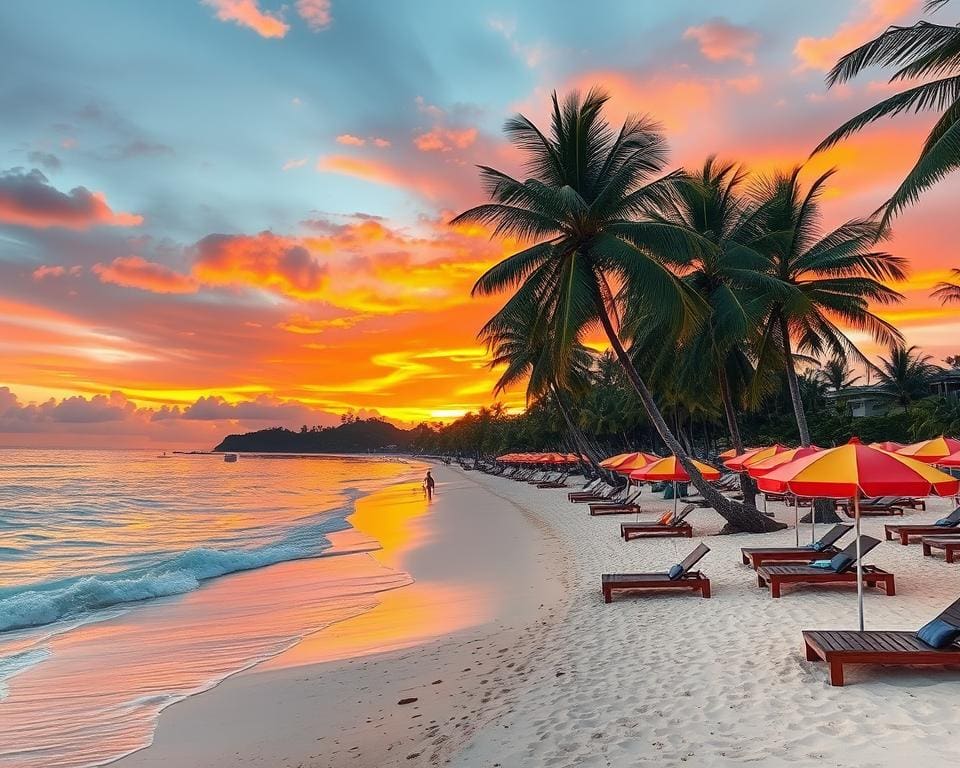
888,445
612,461
762,455
931,451
953,460
735,462
671,470
636,461
730,453
855,469
759,468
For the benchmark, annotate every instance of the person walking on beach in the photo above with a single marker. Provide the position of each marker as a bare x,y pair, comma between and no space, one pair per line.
429,484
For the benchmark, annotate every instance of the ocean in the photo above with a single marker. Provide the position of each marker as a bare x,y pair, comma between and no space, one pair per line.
129,581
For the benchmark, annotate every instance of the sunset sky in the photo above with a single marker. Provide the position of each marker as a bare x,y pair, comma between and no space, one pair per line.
221,215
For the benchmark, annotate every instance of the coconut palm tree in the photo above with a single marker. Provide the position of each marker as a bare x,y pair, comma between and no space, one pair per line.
592,260
905,375
836,374
923,51
728,278
832,278
948,291
517,342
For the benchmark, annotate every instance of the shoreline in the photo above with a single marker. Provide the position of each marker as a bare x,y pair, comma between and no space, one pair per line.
459,640
669,680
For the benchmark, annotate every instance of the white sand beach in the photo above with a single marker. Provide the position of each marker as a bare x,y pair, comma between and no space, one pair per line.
535,670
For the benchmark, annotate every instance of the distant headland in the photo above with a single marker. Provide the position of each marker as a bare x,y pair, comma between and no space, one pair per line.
352,436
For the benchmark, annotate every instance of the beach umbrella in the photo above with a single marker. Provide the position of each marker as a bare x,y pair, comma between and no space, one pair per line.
611,461
888,445
852,470
735,462
729,453
670,470
931,451
635,462
759,455
759,468
953,460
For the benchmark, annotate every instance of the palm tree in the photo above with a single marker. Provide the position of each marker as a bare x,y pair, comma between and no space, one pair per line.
948,291
905,375
924,50
832,278
518,342
592,261
728,278
836,374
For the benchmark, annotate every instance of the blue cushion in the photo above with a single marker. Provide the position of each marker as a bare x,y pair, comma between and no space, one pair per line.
938,634
943,522
675,572
817,546
820,564
841,562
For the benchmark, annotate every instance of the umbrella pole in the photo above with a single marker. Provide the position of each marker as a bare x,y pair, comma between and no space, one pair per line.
813,521
674,499
796,519
856,512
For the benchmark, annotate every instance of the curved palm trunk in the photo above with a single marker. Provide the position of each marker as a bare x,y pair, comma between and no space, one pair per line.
738,516
794,386
823,509
747,486
582,447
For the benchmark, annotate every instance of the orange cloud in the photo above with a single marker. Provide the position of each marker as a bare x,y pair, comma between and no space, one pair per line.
350,140
378,172
43,272
316,13
28,199
719,40
872,17
265,260
445,140
247,13
136,272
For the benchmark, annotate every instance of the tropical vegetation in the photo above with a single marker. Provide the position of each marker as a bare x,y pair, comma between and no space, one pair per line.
718,293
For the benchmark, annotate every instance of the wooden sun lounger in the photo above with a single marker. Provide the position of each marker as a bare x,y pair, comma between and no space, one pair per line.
757,556
629,506
777,575
787,499
674,527
904,532
689,580
631,531
949,544
884,502
873,510
878,647
585,497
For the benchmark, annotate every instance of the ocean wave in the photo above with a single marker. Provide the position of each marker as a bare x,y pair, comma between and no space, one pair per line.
45,604
19,662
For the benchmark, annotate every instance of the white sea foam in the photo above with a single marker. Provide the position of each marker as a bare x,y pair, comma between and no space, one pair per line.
183,573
